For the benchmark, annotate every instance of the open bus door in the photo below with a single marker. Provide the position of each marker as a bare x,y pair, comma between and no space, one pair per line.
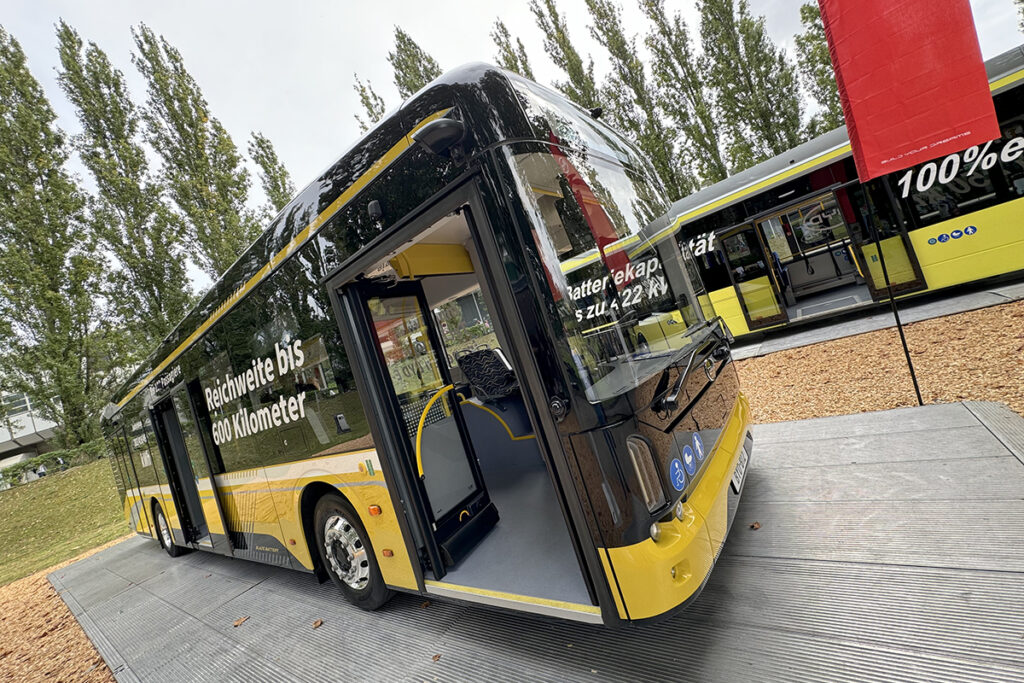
189,471
440,468
869,212
752,271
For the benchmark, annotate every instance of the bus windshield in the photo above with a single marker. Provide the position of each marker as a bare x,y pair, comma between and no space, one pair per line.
628,307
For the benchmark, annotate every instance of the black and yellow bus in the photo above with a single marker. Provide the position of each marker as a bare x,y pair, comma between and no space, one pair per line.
405,384
795,238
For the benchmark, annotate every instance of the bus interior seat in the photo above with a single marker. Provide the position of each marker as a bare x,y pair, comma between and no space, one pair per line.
489,375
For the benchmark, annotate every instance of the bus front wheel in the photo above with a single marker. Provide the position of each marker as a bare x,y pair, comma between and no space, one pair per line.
163,533
347,555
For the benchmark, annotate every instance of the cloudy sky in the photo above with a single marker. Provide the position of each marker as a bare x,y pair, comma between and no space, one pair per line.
286,68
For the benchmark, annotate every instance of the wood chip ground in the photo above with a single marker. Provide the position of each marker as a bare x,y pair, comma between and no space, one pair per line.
40,639
972,356
978,355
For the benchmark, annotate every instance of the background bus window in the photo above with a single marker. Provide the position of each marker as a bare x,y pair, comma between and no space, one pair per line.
985,176
775,236
817,223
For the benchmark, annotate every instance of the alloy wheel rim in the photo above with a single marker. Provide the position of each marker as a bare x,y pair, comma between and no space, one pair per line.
346,552
165,531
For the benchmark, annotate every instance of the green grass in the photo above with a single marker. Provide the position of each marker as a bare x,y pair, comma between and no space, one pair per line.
56,518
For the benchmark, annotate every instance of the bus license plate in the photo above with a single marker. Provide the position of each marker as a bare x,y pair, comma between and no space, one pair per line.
740,471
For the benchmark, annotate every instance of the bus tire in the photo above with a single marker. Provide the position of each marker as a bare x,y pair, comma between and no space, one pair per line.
347,554
163,533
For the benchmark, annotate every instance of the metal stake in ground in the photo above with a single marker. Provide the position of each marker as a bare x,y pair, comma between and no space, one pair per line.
888,285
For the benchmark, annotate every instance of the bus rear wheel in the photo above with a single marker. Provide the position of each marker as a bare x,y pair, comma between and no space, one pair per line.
347,555
163,533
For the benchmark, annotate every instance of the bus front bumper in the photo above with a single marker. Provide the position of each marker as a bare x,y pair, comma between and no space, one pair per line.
655,578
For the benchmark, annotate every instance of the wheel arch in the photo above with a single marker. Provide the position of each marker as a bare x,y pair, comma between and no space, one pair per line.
308,499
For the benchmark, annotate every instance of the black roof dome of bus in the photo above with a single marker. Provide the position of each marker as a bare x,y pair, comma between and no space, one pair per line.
472,93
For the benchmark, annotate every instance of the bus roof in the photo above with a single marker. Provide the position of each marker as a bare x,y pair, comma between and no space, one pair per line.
1003,71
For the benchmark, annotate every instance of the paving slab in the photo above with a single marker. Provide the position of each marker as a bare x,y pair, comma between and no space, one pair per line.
879,318
890,548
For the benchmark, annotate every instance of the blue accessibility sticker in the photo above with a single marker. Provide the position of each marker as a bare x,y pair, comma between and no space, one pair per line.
689,460
676,475
970,230
956,234
943,238
932,240
698,446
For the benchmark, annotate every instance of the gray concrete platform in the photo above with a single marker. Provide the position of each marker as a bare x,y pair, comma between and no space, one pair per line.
880,318
891,547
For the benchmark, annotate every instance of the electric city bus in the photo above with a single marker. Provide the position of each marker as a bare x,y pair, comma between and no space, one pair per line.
794,239
408,382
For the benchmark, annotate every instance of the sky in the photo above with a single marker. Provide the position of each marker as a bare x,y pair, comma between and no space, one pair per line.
286,68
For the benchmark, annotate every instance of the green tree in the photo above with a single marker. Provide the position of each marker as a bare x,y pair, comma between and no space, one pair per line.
373,104
683,91
636,111
202,169
511,57
580,87
755,85
277,184
413,67
815,64
149,290
49,267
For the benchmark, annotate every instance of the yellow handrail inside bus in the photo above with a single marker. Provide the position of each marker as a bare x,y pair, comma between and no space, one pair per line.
423,420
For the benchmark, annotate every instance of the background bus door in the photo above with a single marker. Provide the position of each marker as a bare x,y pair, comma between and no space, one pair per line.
188,471
753,275
436,455
869,208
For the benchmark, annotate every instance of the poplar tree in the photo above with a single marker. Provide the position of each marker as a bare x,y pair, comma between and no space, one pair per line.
413,67
510,56
53,348
580,87
202,169
815,64
754,84
636,111
277,183
683,91
149,290
372,103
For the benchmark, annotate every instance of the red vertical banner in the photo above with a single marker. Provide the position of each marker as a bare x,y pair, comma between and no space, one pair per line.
911,80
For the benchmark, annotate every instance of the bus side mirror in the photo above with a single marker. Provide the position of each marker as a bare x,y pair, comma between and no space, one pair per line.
440,135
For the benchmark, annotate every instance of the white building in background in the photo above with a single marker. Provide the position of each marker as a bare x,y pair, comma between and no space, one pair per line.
23,433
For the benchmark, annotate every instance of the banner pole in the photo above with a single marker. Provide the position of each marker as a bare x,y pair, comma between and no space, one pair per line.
888,287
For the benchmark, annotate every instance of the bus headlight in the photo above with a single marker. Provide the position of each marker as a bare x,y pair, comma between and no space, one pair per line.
679,511
655,532
646,472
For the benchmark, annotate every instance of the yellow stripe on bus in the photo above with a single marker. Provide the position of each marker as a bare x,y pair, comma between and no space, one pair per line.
295,243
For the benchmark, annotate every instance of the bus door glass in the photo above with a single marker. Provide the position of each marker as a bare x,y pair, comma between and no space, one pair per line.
754,277
432,423
417,377
869,212
195,494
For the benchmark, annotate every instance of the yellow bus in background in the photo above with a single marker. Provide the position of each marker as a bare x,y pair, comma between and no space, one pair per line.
794,239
